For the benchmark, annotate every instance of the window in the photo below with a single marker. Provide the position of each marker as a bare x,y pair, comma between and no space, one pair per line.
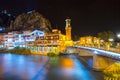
51,37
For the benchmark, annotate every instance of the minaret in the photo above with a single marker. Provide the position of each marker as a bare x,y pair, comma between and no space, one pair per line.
68,29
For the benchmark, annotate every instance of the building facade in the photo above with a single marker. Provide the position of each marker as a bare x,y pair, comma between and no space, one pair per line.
20,39
38,41
89,41
50,42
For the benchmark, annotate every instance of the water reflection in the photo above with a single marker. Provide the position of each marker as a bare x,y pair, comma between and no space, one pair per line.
77,70
70,68
67,63
54,61
20,67
90,62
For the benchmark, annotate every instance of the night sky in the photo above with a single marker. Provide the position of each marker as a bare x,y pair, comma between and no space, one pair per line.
88,16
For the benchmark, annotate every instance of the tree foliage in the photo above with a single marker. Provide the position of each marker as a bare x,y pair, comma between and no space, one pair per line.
18,50
106,35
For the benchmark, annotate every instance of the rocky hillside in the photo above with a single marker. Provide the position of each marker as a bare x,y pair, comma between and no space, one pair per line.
31,20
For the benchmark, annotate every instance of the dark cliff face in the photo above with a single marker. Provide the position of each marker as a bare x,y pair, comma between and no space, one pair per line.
33,20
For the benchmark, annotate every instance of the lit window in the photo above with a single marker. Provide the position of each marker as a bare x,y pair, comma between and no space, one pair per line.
52,37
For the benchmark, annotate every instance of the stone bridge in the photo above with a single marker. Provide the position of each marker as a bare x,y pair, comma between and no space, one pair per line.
101,60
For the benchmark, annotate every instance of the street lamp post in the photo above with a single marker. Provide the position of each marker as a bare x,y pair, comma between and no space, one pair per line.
118,36
118,44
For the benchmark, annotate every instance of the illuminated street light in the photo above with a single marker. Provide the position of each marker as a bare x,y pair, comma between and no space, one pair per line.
118,36
111,40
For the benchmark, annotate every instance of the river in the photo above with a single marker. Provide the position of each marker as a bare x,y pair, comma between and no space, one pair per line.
36,67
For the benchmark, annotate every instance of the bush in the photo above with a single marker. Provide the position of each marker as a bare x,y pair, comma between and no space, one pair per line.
113,46
20,51
52,54
3,51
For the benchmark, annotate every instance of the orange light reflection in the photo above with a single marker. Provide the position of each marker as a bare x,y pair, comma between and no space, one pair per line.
67,63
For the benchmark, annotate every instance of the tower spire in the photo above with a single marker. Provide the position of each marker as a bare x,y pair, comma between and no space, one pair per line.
68,28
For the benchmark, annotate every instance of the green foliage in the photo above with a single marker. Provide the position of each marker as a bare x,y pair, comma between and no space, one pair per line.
2,50
52,54
113,45
76,37
18,50
106,35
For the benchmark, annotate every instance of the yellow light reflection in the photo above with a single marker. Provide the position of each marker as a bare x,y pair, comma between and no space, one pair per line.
67,63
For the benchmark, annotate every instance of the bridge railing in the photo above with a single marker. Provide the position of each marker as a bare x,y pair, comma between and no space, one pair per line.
111,49
117,50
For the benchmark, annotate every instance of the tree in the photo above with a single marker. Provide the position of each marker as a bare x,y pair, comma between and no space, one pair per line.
76,37
106,35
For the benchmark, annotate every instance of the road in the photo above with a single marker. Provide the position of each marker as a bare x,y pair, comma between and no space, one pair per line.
20,67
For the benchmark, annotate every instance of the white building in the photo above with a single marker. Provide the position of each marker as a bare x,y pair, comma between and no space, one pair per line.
17,39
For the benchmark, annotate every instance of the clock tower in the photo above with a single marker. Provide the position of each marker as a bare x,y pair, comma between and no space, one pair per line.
68,29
